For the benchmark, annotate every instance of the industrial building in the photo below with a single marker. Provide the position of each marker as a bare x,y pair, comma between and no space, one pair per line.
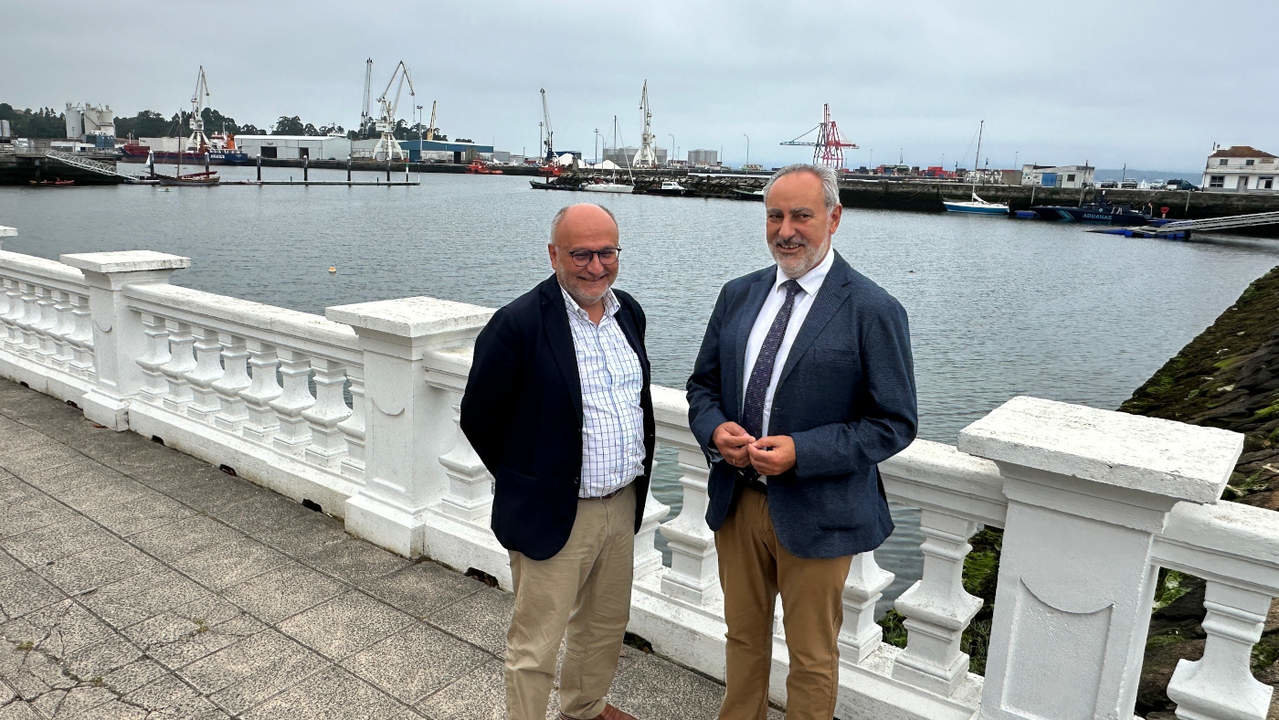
625,156
703,158
1060,176
295,147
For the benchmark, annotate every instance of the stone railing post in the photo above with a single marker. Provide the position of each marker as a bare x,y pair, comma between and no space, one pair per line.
694,573
1087,492
408,424
1219,685
860,635
118,336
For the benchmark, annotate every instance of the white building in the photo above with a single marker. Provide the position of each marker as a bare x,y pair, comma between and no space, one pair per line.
703,158
295,147
84,120
1240,168
1061,176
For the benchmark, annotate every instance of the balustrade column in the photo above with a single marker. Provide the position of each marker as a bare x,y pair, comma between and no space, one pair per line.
264,387
118,339
408,425
181,362
63,329
937,608
154,385
694,573
46,320
327,441
14,307
28,320
1087,492
860,635
293,433
235,377
208,370
353,428
82,337
469,496
1220,685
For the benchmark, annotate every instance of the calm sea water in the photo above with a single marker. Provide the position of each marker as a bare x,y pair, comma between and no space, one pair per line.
997,307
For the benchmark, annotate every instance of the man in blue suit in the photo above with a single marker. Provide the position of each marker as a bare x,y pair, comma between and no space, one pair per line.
804,382
557,406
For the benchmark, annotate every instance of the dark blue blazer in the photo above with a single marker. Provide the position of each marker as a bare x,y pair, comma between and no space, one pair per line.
846,396
522,412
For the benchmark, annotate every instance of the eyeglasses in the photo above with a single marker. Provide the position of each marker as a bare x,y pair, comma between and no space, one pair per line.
607,256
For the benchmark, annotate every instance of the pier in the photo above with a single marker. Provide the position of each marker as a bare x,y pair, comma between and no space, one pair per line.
347,424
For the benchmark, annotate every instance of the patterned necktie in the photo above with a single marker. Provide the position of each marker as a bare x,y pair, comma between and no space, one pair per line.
757,386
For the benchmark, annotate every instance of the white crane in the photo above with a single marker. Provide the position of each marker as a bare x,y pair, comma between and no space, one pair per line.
198,142
645,157
430,127
365,120
388,148
546,118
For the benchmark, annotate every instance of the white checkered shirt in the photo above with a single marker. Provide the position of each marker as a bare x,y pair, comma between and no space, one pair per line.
612,419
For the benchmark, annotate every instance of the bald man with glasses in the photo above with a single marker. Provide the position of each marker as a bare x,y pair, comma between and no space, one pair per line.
557,406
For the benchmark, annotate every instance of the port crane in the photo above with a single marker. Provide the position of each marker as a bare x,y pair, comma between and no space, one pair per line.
388,148
365,119
430,126
198,142
549,142
828,148
645,157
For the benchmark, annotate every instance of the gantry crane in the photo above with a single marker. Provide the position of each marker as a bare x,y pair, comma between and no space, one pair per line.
430,127
198,142
549,142
388,148
645,157
828,149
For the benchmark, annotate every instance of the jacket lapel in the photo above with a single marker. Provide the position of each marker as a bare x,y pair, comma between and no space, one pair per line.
743,323
559,338
834,293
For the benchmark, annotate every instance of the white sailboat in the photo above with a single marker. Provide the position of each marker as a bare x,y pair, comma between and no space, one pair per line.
976,205
612,185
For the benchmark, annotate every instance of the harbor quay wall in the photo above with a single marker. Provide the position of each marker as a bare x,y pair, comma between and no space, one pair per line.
357,411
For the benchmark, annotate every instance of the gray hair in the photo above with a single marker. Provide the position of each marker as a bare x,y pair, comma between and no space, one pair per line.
828,176
555,221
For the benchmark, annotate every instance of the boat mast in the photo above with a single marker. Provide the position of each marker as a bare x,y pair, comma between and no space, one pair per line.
977,157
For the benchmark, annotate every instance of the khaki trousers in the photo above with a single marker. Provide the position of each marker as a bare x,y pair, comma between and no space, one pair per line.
753,569
585,589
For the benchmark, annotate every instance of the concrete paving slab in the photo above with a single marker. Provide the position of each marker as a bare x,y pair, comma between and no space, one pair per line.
96,674
415,662
56,540
344,625
22,592
115,663
333,694
18,711
211,491
35,512
96,567
355,561
283,523
481,618
252,670
229,563
284,591
103,490
139,597
184,537
14,491
16,436
58,478
8,564
139,514
165,699
422,588
473,696
56,630
37,456
191,631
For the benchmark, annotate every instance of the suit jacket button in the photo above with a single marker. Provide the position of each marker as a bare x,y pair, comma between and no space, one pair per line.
577,481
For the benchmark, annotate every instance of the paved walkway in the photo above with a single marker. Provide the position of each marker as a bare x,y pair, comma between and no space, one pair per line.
138,582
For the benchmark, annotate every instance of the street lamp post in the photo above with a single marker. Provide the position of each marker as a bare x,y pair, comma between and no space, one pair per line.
748,148
597,146
671,161
419,133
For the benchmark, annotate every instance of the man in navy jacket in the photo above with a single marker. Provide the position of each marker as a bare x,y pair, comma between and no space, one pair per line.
557,406
804,382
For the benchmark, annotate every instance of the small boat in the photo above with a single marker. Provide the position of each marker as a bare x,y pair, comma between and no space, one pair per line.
740,194
200,179
59,182
553,184
1103,213
607,187
669,187
976,206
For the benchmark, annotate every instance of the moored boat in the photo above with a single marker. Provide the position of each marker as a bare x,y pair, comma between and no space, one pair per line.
976,206
669,187
1102,213
607,187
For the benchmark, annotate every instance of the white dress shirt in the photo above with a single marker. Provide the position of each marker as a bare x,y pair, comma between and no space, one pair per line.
810,282
612,419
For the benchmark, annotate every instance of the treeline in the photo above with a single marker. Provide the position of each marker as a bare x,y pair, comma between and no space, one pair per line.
49,123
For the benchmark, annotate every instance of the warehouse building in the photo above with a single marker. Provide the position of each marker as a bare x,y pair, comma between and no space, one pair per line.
294,147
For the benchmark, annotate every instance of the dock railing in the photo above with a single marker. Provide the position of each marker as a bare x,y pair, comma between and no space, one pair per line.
358,411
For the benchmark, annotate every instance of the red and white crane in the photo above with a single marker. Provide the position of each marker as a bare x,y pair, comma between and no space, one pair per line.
828,148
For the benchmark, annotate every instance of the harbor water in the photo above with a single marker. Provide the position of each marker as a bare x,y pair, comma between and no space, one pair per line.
997,307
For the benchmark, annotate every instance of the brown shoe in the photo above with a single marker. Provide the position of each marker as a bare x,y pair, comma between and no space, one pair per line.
610,713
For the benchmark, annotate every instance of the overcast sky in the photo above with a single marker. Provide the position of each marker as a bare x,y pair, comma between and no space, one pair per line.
1150,84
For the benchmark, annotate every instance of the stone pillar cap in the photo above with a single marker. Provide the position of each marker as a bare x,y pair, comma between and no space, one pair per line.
1162,457
410,317
125,261
6,231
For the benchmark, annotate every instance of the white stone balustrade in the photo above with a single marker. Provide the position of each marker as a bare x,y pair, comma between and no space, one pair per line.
1093,503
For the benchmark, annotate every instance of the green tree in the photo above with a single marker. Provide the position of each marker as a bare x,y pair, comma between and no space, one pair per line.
289,126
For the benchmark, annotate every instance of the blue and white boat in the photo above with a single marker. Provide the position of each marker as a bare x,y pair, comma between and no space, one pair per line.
976,206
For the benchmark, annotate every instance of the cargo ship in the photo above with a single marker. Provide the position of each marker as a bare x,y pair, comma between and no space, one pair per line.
221,151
